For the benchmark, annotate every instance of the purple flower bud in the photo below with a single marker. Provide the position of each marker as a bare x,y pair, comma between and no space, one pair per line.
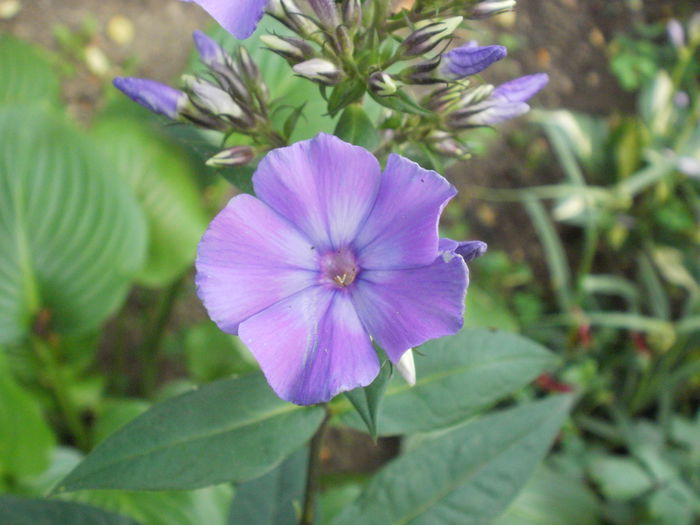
235,156
470,59
326,12
675,33
521,89
209,51
428,35
425,72
352,14
470,250
487,113
157,97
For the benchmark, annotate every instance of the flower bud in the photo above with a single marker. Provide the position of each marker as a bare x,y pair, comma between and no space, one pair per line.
157,97
344,41
319,70
470,59
326,12
423,72
382,84
249,69
492,7
288,13
352,14
675,33
209,98
235,156
294,50
211,53
428,36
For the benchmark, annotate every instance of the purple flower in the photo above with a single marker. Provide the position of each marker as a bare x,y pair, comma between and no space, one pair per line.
157,97
238,17
332,253
470,59
520,89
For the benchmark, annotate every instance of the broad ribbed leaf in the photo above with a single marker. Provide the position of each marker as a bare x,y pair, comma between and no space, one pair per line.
71,234
27,74
466,476
162,177
455,378
22,511
229,430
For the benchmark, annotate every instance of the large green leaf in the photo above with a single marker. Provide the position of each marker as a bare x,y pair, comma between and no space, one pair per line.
456,377
26,441
551,498
162,176
22,511
272,499
466,476
229,430
71,234
27,74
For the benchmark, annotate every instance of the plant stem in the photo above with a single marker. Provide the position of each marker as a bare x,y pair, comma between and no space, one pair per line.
313,472
150,348
46,354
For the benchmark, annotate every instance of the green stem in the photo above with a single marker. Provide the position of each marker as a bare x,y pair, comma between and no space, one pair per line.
71,415
313,473
149,351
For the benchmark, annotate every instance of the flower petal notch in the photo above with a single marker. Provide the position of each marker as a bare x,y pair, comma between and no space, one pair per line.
238,17
332,254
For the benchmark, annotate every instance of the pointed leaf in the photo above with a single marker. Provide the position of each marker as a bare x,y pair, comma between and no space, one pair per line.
24,511
468,475
402,102
457,377
272,499
367,400
204,437
355,127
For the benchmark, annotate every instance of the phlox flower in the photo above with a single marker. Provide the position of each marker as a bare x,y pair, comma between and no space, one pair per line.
238,17
332,255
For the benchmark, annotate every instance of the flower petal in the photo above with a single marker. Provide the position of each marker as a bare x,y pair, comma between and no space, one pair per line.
248,259
311,346
402,229
402,309
324,186
238,17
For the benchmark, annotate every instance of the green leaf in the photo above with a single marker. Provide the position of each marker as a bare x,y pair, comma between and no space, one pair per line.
402,102
456,377
162,177
272,499
26,441
551,498
367,400
620,478
71,234
345,94
355,127
204,437
488,310
23,511
27,74
468,475
114,414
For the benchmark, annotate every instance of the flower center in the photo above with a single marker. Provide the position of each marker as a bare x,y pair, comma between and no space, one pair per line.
339,268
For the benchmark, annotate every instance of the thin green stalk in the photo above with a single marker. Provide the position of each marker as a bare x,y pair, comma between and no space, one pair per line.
71,415
149,351
313,473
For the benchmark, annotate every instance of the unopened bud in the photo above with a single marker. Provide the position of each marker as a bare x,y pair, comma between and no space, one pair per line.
211,53
208,97
157,97
492,7
429,35
294,50
344,41
352,14
423,72
382,84
235,156
319,70
675,33
287,12
326,12
249,69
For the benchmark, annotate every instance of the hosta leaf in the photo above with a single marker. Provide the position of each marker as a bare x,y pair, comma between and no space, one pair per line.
229,430
162,178
27,74
71,234
23,511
